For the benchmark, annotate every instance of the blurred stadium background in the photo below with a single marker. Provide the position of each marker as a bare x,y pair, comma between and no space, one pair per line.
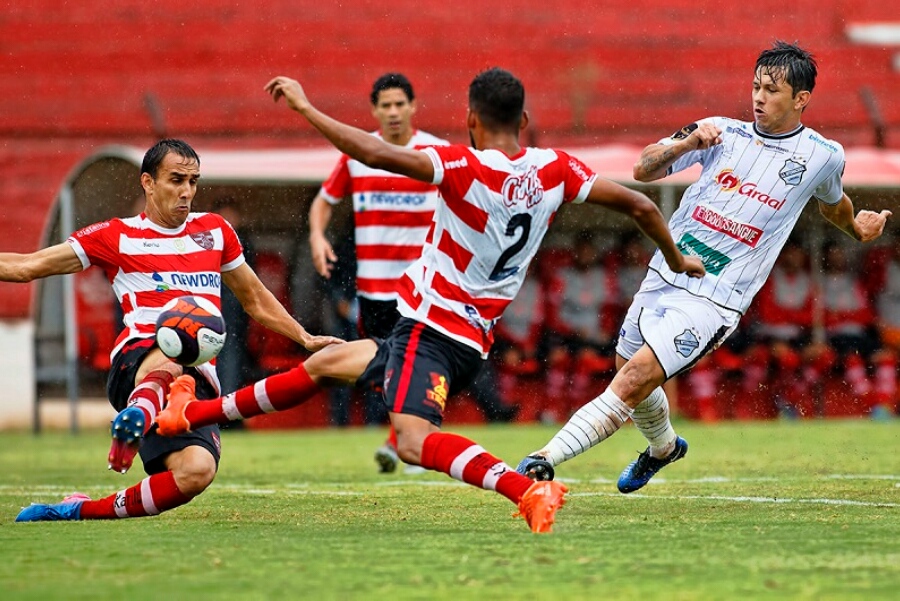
87,86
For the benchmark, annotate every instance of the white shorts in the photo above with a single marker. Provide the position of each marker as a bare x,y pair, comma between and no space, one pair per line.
678,326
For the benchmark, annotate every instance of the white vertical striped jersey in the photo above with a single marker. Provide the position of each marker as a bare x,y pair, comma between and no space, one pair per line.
493,215
737,216
392,215
148,265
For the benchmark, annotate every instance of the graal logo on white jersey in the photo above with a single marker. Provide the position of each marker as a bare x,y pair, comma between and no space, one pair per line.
526,187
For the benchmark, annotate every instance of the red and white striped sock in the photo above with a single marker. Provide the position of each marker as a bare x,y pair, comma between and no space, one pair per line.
150,496
149,396
275,393
466,461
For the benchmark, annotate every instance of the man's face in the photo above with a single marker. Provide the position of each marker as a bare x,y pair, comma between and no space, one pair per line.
775,108
394,113
171,192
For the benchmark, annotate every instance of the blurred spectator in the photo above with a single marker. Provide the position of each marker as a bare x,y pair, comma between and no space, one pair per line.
632,257
848,317
882,277
582,325
518,337
235,366
341,288
784,330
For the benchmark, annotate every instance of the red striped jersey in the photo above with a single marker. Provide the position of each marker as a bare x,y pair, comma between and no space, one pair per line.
495,210
392,215
148,265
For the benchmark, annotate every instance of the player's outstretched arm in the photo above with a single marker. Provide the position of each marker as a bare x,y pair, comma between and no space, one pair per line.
649,219
864,226
656,159
260,304
353,141
54,260
323,254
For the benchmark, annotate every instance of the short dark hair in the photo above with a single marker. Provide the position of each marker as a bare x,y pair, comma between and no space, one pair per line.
389,81
497,97
154,157
799,66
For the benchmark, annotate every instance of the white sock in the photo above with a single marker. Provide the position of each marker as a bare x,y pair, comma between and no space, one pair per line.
651,417
593,423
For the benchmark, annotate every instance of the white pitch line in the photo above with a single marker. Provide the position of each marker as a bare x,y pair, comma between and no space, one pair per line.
774,500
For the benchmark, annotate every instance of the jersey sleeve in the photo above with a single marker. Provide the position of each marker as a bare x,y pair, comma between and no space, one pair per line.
337,186
831,190
694,156
437,162
96,244
232,251
578,178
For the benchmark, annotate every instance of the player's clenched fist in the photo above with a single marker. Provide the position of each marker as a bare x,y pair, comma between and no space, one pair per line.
706,135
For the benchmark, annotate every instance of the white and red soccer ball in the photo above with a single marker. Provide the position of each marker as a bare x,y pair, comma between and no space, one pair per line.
190,330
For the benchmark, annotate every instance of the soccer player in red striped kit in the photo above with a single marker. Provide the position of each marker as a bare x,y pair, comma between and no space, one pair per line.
163,253
392,215
498,200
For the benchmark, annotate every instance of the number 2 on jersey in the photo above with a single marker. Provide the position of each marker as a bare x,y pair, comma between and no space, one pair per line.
520,220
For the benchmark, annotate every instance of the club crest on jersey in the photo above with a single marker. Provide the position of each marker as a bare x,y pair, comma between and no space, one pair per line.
686,343
525,188
792,172
204,240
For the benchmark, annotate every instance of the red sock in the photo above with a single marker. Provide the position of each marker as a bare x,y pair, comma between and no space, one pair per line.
150,496
150,394
392,437
463,460
275,393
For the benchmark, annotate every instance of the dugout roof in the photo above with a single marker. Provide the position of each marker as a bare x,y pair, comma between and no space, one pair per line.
866,167
282,182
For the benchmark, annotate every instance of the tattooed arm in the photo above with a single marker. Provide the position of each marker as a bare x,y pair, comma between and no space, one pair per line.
657,158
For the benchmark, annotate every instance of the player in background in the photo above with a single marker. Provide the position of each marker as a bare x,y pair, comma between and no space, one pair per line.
392,214
756,179
163,253
497,201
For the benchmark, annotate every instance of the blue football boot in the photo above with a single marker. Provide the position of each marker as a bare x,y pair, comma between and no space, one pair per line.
639,471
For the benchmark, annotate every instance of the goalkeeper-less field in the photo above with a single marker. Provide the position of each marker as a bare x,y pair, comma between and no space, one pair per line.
781,510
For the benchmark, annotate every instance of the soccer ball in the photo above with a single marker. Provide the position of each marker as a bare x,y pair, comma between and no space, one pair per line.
190,330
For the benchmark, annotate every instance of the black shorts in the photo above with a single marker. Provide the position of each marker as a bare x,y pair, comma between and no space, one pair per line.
419,368
376,318
156,448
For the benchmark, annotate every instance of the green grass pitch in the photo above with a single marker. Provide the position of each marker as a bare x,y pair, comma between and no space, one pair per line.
780,510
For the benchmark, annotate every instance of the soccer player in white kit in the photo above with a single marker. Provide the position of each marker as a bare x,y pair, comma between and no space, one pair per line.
756,179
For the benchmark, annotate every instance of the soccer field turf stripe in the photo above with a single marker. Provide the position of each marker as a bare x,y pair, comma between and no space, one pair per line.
335,489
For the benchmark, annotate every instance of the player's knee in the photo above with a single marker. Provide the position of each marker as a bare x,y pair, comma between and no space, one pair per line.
193,480
194,473
409,448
